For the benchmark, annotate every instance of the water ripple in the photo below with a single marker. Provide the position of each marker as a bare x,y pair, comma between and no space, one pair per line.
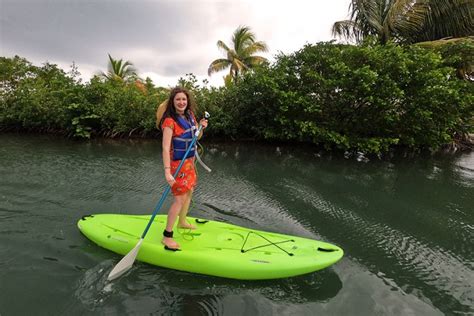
433,265
251,205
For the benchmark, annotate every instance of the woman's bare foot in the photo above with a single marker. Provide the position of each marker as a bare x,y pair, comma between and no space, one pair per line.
186,225
170,243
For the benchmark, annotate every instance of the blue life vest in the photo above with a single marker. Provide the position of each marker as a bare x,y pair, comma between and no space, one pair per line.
181,142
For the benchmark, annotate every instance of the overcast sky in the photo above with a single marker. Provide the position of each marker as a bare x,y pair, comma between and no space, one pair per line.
164,39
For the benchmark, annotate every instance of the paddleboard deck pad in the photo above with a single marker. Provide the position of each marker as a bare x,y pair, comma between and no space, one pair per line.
213,248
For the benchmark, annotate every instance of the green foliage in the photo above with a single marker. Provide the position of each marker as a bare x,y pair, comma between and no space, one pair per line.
457,53
81,120
122,108
37,97
367,98
47,99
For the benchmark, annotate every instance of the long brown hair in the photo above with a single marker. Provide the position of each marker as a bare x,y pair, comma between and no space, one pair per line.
170,110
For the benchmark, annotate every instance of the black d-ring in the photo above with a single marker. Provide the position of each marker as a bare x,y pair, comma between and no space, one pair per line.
326,249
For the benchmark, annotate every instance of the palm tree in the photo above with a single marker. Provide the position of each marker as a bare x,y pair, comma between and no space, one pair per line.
119,70
447,18
241,57
409,21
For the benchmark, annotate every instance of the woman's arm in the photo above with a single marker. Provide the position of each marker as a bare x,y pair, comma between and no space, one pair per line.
167,135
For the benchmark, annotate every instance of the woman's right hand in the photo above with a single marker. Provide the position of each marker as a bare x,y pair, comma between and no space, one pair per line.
169,178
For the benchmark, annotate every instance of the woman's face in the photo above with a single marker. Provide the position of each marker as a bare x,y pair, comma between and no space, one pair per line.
180,102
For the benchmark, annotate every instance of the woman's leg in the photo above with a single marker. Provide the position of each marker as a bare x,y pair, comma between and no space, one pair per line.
173,212
183,223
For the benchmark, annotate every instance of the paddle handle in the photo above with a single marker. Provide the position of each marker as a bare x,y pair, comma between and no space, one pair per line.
168,188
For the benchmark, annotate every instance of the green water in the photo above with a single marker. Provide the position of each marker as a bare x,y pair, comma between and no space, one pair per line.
406,227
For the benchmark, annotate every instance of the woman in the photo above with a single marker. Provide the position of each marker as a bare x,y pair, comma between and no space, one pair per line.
178,124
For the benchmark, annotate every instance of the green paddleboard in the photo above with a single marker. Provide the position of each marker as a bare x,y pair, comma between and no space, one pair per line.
214,248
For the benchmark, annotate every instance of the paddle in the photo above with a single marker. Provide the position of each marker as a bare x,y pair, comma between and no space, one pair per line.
127,262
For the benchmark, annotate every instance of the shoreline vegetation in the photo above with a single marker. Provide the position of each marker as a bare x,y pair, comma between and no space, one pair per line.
368,98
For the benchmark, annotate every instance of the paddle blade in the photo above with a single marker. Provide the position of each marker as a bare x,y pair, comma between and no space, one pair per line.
126,263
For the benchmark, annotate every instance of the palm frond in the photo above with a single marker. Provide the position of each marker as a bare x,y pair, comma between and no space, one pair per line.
242,37
117,69
223,47
407,20
255,60
450,18
368,14
218,65
255,48
407,16
239,66
347,29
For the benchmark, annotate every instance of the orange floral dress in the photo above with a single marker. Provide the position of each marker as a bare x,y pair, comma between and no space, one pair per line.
186,178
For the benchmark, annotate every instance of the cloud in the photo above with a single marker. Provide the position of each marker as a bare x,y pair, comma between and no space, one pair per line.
165,38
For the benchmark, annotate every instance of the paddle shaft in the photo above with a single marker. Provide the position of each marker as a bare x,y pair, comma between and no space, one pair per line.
168,188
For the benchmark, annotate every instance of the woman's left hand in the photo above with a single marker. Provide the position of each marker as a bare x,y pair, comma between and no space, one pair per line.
203,122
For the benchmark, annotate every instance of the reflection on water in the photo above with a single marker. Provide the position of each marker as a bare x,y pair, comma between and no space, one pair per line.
465,170
406,226
173,291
